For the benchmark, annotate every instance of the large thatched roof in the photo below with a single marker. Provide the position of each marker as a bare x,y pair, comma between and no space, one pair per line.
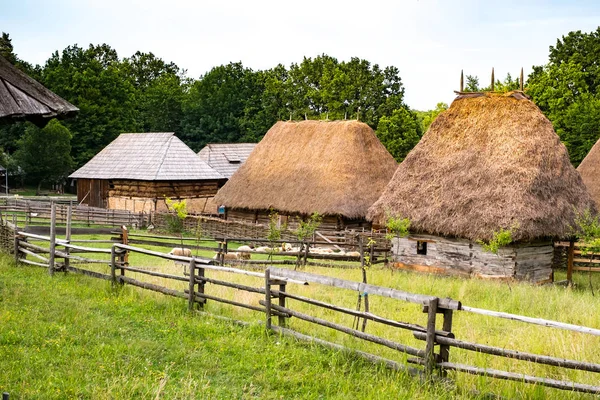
156,156
226,157
333,168
22,98
490,161
589,169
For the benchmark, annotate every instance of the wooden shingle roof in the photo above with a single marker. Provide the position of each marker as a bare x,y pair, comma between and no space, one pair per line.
23,98
157,156
226,157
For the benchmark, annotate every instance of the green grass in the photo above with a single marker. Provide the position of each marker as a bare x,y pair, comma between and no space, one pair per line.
71,336
572,305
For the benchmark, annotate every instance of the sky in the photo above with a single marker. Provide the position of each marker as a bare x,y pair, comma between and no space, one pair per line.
429,41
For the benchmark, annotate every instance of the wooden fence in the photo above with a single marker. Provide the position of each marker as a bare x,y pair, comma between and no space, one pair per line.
281,297
27,212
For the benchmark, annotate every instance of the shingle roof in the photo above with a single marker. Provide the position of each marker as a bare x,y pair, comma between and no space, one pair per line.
226,157
21,97
157,156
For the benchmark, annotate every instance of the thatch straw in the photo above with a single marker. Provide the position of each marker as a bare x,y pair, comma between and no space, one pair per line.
488,162
334,168
589,169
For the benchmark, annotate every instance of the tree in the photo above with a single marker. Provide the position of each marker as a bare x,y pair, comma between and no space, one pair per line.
45,154
472,84
6,48
427,117
567,91
96,81
400,132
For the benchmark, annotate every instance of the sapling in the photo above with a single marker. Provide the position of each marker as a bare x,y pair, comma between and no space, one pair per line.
305,230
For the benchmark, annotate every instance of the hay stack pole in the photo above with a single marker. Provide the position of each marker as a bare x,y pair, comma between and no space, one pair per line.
492,87
462,81
521,79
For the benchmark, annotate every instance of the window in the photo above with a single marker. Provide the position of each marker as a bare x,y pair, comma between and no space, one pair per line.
422,248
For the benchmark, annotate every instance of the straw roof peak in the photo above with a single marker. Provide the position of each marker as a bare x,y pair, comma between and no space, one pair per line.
490,161
331,167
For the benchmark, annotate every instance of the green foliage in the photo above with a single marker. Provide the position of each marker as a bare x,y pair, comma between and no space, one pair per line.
400,132
307,228
397,226
427,117
275,227
45,154
177,214
587,228
472,84
500,238
507,85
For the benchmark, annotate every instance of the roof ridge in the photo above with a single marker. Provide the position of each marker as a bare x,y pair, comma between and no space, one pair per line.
164,157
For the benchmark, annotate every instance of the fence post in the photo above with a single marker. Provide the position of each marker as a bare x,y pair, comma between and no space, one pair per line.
570,257
52,238
16,247
429,348
268,298
68,235
280,317
225,250
192,294
201,286
113,265
125,240
445,349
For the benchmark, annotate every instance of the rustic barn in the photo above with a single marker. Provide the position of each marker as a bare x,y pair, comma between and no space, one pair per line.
336,168
226,158
138,170
491,161
23,98
589,169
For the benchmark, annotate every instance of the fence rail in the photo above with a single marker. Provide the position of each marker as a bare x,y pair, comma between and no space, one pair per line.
274,287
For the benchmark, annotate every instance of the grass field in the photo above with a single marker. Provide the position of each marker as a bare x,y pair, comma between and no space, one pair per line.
572,305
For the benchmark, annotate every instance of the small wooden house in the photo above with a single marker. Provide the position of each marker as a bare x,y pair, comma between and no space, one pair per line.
589,169
23,98
491,161
336,168
138,170
226,158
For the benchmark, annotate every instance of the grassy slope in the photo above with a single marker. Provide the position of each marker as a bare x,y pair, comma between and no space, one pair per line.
72,336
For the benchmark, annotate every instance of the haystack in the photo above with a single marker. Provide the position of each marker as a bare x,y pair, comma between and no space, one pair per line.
334,168
490,161
589,169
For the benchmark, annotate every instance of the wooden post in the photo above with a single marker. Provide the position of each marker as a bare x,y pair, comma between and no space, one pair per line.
125,240
219,253
268,298
462,81
192,294
113,265
445,349
201,286
16,248
522,84
52,239
281,318
362,251
570,256
306,245
429,348
492,87
68,234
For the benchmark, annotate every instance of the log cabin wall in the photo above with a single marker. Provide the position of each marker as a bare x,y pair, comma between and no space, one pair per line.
426,253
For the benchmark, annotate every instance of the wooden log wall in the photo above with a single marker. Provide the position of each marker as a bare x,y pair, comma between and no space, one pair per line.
161,189
531,262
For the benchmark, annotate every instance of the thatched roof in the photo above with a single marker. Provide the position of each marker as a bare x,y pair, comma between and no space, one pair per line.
589,169
490,161
22,98
333,168
156,156
226,157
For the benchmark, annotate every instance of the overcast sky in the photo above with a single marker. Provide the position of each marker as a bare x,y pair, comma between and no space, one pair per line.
429,41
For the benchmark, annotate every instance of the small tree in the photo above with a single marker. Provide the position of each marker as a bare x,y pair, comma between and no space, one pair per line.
45,154
275,230
397,227
176,215
306,229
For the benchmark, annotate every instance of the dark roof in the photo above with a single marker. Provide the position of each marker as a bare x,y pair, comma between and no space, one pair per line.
157,156
226,157
22,98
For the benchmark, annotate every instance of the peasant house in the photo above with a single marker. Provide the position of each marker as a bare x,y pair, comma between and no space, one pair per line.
335,168
226,158
492,161
137,171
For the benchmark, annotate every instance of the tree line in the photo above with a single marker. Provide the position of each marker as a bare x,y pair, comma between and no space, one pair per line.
233,103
